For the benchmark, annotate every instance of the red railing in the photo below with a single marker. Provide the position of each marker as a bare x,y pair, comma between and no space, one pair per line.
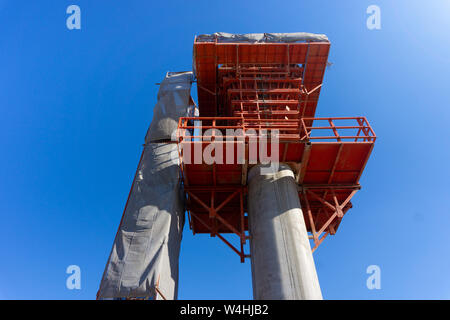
361,132
339,129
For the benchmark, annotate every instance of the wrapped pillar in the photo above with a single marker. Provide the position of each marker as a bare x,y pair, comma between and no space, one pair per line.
143,263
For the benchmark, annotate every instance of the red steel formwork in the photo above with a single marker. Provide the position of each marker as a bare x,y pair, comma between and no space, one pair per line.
264,95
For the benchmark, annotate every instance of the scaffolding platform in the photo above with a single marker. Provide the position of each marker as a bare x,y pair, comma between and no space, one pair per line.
306,61
327,159
257,97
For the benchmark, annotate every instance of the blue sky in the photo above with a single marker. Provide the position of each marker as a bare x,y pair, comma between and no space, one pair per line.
75,106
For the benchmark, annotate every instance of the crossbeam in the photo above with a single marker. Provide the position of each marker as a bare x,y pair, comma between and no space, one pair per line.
217,219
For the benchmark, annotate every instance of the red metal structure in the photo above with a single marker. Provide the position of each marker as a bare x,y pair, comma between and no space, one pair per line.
267,91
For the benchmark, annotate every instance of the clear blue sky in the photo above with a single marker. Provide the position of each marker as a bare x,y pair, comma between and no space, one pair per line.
75,106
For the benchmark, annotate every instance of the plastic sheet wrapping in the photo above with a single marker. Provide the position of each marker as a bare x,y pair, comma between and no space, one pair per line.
146,249
173,102
144,259
262,37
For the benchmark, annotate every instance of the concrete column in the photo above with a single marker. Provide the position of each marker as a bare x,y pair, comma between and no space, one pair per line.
282,262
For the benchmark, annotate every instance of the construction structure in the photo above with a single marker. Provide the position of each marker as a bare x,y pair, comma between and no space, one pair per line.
254,163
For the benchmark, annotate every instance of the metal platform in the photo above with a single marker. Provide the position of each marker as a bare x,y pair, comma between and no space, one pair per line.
305,61
253,92
327,168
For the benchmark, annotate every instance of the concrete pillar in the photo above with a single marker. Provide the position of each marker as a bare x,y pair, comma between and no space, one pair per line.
282,262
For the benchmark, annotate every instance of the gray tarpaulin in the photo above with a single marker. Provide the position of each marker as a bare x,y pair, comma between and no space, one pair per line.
262,37
173,103
144,257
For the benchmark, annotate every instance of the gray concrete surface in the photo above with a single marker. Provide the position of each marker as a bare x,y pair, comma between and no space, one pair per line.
281,258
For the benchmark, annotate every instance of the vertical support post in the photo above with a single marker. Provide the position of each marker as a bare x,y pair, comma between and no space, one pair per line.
282,262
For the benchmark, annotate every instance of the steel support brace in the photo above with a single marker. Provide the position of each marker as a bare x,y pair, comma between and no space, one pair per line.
338,209
213,212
